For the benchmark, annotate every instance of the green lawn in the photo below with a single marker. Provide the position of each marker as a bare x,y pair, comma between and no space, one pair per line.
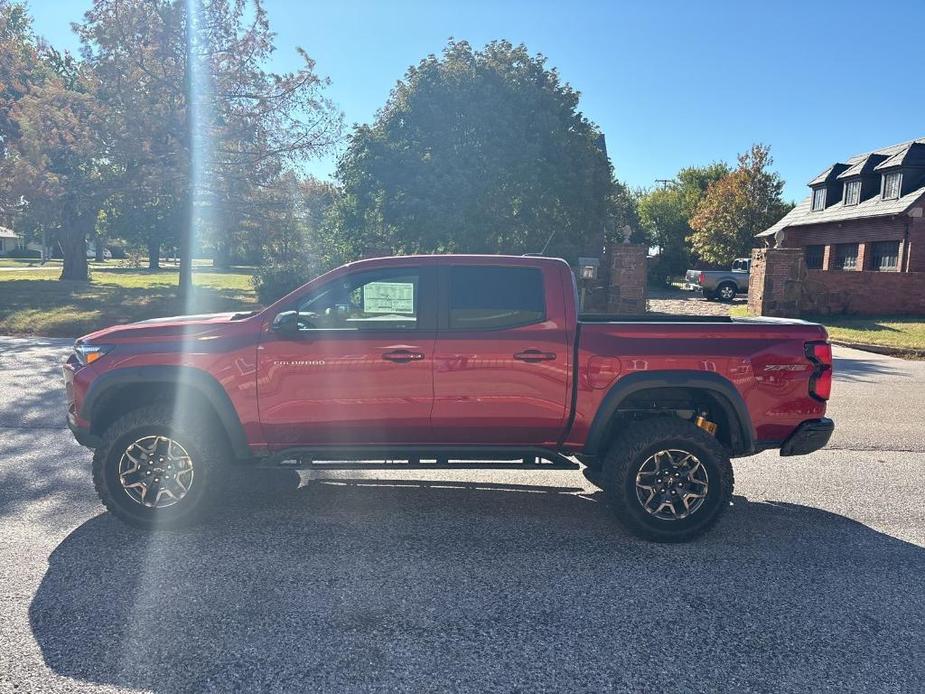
35,302
899,332
904,333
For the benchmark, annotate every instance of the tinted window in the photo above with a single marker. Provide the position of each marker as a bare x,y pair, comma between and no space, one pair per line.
852,192
819,199
377,300
891,185
495,297
814,256
885,256
846,256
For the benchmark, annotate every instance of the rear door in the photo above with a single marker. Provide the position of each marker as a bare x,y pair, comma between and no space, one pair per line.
360,369
501,356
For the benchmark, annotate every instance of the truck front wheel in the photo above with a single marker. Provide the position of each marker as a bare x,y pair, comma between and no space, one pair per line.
153,471
668,480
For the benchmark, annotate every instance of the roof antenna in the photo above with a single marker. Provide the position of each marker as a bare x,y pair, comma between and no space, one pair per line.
545,246
548,241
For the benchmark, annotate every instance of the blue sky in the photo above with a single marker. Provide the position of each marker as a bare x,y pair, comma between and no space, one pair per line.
670,83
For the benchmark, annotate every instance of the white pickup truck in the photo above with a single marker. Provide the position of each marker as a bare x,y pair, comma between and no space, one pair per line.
721,284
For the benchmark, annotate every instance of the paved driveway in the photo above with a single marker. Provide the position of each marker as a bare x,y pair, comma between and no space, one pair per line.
470,581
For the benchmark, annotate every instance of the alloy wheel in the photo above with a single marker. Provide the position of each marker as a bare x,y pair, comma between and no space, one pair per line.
672,484
156,471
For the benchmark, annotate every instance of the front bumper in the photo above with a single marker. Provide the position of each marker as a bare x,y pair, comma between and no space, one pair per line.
82,434
810,436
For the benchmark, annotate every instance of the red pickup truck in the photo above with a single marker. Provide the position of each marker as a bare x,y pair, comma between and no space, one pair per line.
446,362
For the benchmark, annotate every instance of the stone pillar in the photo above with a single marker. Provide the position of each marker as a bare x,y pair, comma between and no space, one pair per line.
627,295
775,284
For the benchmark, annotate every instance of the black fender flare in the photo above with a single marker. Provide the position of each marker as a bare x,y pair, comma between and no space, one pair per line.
743,436
185,376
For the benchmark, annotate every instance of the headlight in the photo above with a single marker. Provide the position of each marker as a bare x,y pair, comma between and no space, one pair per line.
87,354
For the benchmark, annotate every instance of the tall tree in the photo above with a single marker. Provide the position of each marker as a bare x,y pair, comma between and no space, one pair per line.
737,207
665,212
21,68
53,149
201,120
479,151
61,169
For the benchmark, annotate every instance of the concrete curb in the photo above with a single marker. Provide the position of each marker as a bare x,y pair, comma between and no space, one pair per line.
881,349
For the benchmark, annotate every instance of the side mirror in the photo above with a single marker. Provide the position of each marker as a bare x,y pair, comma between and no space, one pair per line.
286,323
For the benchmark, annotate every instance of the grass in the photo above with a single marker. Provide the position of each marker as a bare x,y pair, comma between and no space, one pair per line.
36,302
896,332
901,333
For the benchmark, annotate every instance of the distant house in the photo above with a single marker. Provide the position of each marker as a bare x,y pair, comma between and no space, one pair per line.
9,240
863,214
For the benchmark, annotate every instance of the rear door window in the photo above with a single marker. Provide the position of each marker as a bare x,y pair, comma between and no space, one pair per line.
493,297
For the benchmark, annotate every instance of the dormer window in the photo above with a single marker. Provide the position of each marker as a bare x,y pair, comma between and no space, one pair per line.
818,199
891,185
853,192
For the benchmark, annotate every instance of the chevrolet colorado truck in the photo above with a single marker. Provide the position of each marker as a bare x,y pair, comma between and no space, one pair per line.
446,362
721,284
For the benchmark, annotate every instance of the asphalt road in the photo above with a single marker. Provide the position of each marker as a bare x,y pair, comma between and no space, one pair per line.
815,579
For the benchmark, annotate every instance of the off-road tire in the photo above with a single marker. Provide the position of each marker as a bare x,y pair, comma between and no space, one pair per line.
631,450
594,475
207,451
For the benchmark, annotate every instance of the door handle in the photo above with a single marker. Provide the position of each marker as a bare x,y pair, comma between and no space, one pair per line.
402,356
534,355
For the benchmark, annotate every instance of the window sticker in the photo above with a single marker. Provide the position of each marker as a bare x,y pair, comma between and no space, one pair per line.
388,297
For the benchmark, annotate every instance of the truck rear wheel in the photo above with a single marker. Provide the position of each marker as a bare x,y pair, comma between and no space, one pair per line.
153,472
727,292
668,480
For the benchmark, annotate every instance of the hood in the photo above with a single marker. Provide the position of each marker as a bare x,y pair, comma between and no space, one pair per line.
187,327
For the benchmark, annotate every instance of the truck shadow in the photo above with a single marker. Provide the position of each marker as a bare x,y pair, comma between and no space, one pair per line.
358,584
865,370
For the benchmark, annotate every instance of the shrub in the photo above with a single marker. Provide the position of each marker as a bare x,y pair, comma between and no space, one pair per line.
24,253
277,279
658,272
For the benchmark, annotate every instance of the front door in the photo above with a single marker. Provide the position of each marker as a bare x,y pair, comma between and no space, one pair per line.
360,369
501,363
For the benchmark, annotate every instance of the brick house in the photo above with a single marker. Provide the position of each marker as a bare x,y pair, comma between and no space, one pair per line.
862,232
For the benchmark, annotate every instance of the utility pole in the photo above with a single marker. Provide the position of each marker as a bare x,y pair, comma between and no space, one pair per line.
665,182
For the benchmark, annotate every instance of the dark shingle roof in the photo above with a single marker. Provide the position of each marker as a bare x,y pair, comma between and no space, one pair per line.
803,215
830,174
911,155
864,166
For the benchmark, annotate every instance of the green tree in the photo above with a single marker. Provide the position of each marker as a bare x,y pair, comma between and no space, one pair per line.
21,68
666,212
477,151
54,168
737,207
202,124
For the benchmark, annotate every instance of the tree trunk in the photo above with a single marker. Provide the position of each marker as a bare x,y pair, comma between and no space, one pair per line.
100,251
222,256
154,255
74,250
